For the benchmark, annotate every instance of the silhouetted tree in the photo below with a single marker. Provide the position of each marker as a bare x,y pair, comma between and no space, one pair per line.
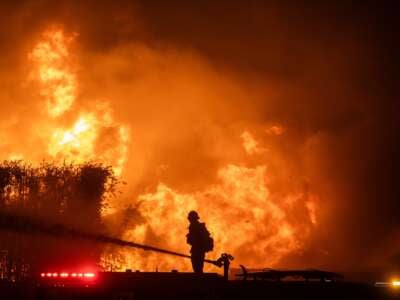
70,194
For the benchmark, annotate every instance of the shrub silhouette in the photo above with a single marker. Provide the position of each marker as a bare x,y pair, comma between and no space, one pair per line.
69,194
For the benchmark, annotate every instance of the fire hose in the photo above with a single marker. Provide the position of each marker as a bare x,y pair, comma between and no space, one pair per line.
31,226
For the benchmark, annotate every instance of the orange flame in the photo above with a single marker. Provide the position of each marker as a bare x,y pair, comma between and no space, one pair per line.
239,212
250,144
244,217
275,130
54,69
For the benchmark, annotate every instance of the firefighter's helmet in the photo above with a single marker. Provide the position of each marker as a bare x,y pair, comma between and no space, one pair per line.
193,216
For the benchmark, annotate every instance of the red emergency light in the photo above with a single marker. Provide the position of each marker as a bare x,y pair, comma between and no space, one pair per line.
86,275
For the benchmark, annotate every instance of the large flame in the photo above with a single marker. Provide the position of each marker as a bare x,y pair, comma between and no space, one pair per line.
246,218
240,214
53,67
84,139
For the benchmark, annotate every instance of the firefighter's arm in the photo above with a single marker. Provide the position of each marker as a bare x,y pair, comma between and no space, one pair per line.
188,239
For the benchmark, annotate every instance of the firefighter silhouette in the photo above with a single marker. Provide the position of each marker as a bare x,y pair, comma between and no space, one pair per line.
200,240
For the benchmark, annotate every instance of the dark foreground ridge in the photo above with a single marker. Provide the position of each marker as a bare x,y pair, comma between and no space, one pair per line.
175,285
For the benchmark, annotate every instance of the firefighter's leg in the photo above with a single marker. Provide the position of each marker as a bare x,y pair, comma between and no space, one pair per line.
197,262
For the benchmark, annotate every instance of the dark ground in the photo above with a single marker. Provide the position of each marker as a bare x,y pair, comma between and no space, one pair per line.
189,286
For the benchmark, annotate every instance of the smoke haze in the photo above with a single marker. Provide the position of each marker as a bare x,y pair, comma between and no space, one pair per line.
198,97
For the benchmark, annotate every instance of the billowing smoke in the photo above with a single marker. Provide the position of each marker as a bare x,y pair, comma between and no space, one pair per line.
277,122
